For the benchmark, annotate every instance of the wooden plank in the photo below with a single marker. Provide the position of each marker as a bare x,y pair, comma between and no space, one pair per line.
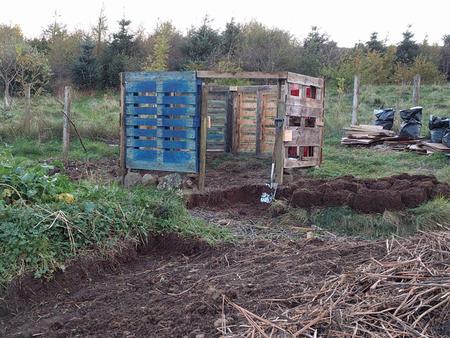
163,111
162,133
304,80
205,74
162,122
161,143
302,110
161,76
304,137
229,121
278,147
203,137
122,135
146,164
235,126
258,122
132,99
141,87
306,102
166,155
179,86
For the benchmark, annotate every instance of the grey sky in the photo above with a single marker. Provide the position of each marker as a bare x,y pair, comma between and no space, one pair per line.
346,21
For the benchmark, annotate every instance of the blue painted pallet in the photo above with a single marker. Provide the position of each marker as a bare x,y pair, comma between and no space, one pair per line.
162,121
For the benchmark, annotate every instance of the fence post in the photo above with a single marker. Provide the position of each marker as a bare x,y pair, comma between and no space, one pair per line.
66,125
122,132
355,100
203,137
416,90
279,131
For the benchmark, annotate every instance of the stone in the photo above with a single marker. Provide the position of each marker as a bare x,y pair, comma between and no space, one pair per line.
187,183
170,182
132,179
149,179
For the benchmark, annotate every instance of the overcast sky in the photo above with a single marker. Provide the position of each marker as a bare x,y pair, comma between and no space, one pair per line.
346,21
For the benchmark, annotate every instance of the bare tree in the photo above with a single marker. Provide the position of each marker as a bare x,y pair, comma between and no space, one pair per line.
11,43
99,31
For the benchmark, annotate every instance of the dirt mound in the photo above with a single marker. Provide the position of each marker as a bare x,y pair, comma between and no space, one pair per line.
89,269
363,195
174,288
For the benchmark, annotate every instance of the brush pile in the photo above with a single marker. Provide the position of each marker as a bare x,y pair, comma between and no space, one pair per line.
365,135
405,294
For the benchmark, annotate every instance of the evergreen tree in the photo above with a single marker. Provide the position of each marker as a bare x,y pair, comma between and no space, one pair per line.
231,39
119,55
375,45
317,52
123,41
85,70
202,45
407,49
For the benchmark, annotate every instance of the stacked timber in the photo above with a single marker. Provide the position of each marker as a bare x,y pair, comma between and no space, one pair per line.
365,134
430,148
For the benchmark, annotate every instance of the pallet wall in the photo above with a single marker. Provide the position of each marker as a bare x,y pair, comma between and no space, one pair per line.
161,121
303,122
242,118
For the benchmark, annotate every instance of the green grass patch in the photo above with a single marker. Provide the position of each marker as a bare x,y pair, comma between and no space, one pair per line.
25,148
375,163
433,215
46,220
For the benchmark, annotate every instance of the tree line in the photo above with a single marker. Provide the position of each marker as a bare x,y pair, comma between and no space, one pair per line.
92,59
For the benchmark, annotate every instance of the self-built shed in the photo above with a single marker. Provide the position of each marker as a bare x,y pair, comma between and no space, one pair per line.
170,119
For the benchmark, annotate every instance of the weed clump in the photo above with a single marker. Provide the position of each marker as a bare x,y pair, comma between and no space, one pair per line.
47,219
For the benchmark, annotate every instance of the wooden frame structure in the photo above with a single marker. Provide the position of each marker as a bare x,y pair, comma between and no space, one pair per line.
180,107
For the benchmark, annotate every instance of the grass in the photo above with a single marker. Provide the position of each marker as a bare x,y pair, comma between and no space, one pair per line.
96,117
28,148
46,220
433,215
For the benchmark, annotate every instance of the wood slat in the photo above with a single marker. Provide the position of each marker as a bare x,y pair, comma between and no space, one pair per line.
161,76
163,122
162,133
164,111
161,143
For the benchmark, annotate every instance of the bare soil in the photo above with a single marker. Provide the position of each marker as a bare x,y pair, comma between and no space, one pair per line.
175,287
363,195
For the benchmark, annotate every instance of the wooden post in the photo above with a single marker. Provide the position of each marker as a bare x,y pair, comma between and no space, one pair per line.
229,123
279,152
259,98
416,90
66,123
355,101
28,116
122,135
203,137
235,126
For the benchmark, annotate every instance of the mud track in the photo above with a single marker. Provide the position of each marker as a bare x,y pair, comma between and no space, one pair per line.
174,288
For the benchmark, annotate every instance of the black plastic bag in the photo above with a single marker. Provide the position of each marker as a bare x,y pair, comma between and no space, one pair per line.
385,118
412,122
438,122
446,137
414,113
410,130
437,134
